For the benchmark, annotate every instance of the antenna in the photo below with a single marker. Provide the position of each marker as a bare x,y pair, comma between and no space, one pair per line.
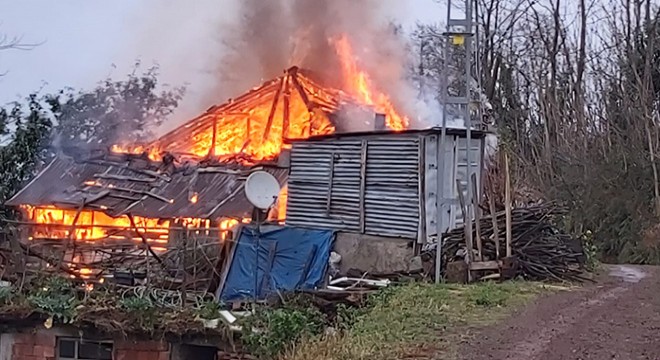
262,189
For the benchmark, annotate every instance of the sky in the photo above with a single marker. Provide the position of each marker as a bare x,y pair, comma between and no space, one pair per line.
82,42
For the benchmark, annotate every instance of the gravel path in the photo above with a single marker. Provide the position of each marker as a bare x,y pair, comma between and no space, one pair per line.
617,318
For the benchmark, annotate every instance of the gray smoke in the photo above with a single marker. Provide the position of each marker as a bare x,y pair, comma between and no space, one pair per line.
273,35
236,45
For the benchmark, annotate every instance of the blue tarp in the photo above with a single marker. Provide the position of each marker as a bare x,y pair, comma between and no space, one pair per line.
287,259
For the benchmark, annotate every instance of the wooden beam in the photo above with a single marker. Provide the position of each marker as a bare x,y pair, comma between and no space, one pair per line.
496,231
273,109
467,229
301,91
477,215
485,265
286,104
145,241
507,204
214,137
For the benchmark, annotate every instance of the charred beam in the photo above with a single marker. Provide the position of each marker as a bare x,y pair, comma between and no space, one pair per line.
286,100
273,109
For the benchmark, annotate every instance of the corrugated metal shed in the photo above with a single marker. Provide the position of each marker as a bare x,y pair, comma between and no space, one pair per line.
133,185
380,183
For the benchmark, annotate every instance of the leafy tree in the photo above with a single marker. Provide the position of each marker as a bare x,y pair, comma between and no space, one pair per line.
129,108
27,149
114,111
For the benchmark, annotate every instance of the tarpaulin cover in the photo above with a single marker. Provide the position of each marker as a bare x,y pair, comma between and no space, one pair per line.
287,259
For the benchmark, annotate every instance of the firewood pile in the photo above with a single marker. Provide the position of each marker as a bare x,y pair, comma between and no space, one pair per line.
541,249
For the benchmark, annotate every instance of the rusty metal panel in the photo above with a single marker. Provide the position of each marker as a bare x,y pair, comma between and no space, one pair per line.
392,204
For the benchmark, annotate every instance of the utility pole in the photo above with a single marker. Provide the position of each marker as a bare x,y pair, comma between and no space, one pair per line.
461,36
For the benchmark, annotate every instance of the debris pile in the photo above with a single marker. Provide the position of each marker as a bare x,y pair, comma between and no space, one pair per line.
541,249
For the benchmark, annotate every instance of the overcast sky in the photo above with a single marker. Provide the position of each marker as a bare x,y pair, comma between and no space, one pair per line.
85,41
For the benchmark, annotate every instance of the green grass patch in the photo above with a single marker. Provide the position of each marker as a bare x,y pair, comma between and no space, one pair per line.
418,321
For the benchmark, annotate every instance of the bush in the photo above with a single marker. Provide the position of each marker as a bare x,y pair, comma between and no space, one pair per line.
268,332
54,296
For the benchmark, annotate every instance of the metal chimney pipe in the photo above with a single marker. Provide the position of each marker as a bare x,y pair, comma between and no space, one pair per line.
379,122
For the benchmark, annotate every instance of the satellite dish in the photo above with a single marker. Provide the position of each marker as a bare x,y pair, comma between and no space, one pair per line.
262,189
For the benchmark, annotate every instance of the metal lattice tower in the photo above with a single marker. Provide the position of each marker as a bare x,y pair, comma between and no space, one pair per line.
461,99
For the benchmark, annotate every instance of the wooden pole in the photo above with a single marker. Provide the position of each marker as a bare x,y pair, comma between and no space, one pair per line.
467,228
477,216
286,99
213,137
507,204
496,231
144,240
273,109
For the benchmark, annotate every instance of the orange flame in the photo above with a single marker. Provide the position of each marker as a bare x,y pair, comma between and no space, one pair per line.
54,223
152,153
359,84
194,198
258,122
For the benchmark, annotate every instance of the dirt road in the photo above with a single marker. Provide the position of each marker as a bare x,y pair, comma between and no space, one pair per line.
618,318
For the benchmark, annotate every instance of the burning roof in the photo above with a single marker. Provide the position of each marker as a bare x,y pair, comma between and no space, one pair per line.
252,127
123,184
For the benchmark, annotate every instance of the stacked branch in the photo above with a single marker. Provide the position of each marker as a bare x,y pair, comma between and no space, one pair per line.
542,250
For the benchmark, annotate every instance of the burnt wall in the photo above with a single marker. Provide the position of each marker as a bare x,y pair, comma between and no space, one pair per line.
375,254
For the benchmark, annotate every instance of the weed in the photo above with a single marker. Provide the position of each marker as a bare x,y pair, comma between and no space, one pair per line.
273,330
209,310
56,297
415,320
489,295
136,304
6,294
142,309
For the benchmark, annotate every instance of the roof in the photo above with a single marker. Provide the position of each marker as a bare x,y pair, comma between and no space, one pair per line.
475,134
126,184
293,90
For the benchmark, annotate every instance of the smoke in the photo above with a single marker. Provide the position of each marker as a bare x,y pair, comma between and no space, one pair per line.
270,36
237,45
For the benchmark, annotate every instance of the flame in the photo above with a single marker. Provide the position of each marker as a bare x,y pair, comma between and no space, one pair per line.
359,84
278,212
194,198
90,225
152,152
254,128
250,135
228,224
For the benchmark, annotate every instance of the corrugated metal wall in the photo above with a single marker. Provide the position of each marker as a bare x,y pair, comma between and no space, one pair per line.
374,184
392,186
365,185
455,167
324,184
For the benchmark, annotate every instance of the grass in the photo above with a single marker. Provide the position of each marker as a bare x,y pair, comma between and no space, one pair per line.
419,321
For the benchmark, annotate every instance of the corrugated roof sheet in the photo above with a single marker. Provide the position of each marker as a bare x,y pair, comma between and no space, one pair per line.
134,185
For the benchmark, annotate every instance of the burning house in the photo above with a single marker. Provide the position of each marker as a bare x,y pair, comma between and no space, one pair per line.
172,214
